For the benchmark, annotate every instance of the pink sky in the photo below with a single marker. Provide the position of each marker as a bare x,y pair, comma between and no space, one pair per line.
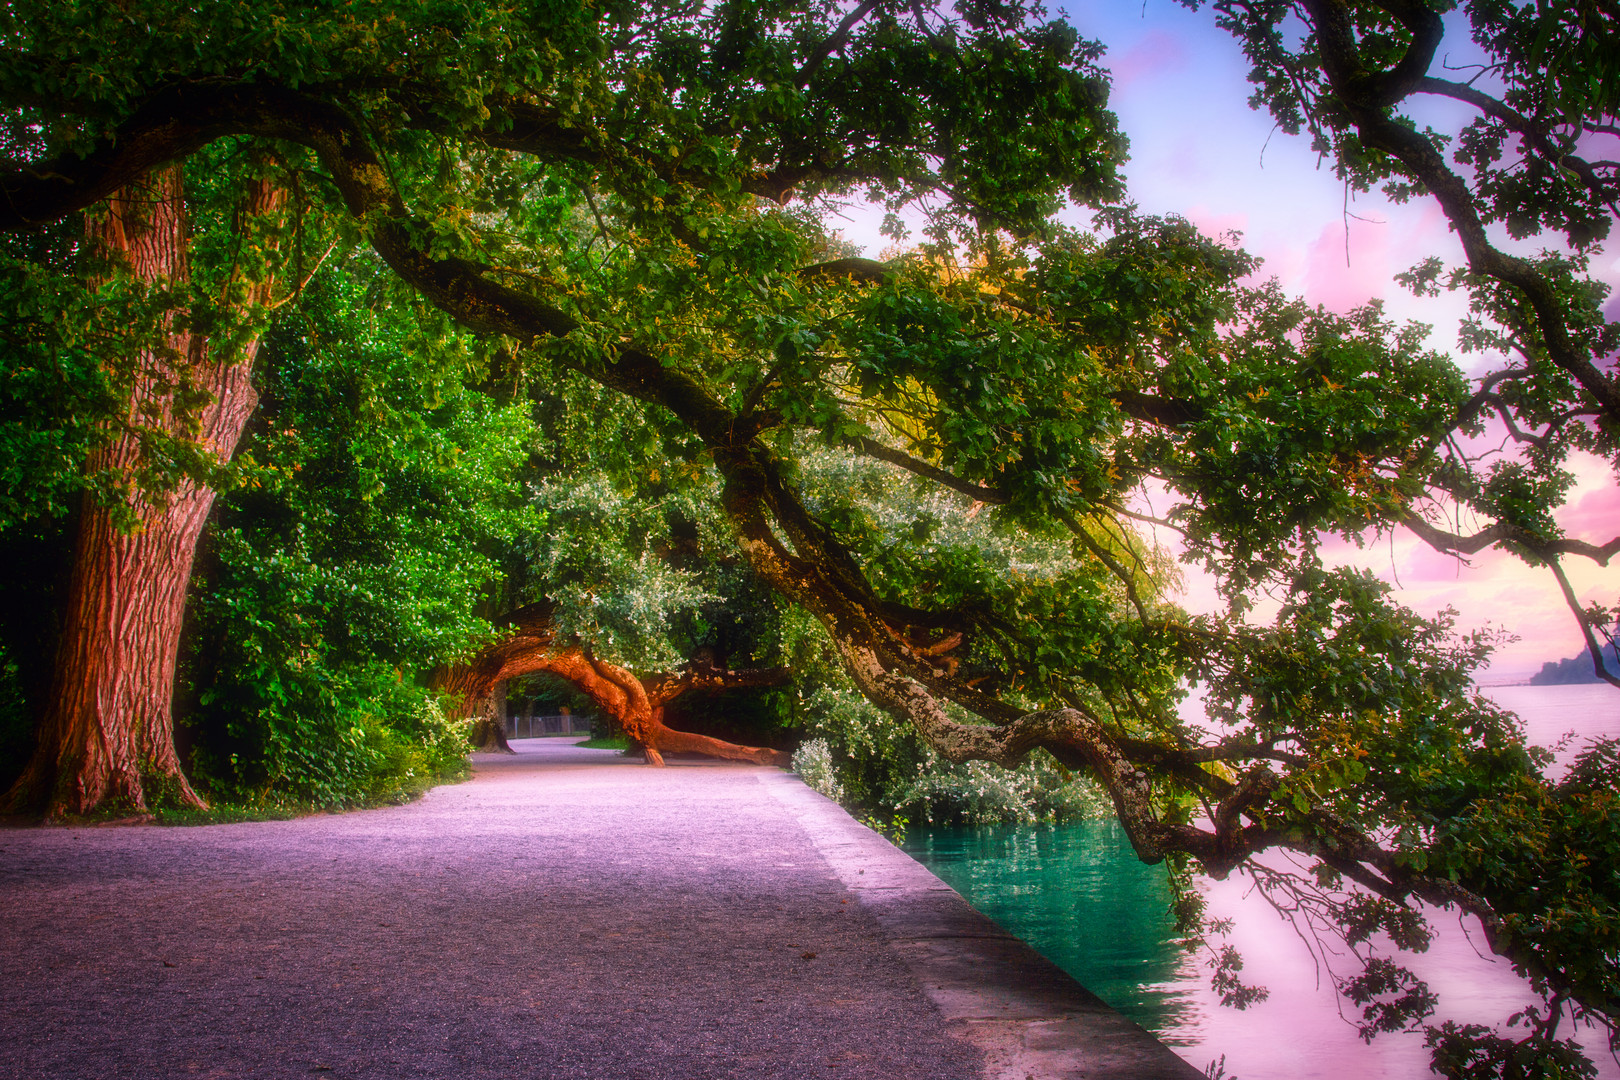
1197,150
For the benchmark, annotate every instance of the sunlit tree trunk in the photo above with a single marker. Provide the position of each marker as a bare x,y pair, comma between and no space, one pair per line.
106,737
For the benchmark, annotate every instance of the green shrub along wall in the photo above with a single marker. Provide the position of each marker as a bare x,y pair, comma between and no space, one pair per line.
873,764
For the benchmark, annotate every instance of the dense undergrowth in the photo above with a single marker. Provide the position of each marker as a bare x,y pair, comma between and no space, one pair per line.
351,552
874,765
348,562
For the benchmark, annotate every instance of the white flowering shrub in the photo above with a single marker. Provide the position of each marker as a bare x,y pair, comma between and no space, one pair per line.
813,761
876,764
442,739
599,557
979,793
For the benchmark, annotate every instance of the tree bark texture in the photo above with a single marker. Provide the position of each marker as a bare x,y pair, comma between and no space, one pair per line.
638,704
107,733
489,722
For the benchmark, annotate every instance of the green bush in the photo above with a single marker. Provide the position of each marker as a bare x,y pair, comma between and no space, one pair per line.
376,488
327,738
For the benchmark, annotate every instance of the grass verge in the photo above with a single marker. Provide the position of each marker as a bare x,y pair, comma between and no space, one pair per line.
617,742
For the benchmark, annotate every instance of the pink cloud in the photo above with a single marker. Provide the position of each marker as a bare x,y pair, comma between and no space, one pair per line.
1514,597
1215,225
1595,516
1337,551
1343,276
1432,223
1424,564
1281,261
1491,590
1545,632
1158,51
1340,283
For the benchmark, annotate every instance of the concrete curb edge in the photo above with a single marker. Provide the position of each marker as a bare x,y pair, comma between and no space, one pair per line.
1032,1020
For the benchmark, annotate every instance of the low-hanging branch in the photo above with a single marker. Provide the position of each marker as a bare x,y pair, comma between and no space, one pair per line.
1534,135
531,646
1504,532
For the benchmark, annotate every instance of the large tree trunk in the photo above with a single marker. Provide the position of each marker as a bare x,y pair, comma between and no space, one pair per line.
107,735
638,704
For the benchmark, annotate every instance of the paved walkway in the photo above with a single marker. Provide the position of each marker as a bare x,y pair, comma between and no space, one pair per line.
567,913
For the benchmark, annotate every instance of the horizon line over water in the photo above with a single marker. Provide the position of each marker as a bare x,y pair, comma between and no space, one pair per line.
1077,893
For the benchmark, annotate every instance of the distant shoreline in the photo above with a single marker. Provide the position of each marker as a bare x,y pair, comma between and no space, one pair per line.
1575,670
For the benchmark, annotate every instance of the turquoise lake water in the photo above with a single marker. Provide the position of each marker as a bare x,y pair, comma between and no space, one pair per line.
1078,894
1081,896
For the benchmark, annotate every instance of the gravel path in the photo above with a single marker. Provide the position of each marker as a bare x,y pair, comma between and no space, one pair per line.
567,913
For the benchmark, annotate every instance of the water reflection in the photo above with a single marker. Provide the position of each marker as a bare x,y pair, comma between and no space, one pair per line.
1078,894
1082,898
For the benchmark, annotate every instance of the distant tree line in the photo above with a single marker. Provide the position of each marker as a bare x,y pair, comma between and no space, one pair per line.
1575,669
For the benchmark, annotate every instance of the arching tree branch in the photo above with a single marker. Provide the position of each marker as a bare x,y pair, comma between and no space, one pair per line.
1504,533
870,447
1366,96
531,646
